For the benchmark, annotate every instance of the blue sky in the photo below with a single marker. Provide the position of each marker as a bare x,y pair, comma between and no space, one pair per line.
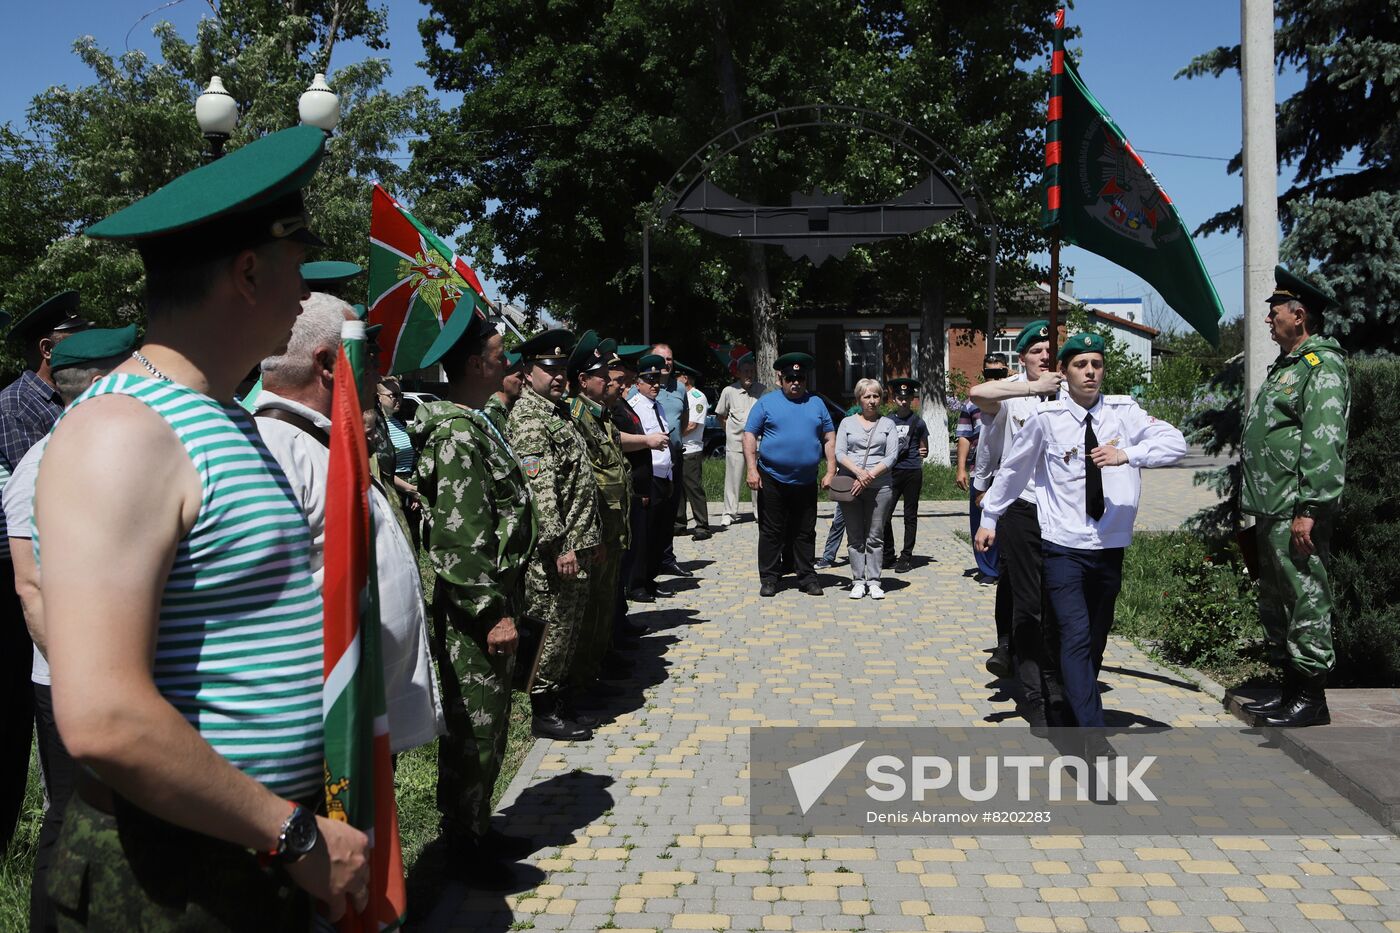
1127,56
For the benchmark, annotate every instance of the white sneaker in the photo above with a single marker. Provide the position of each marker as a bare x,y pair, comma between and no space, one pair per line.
873,588
857,590
725,521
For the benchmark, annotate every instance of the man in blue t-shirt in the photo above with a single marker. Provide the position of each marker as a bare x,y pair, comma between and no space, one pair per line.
796,432
907,477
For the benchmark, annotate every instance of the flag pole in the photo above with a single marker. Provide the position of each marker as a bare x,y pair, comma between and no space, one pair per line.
1054,294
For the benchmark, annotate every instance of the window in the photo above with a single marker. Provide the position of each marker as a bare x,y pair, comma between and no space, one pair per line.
865,357
1005,347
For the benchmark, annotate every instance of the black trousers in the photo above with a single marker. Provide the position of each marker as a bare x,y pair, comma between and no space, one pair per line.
787,521
693,493
58,781
907,484
675,495
1018,534
16,704
1083,586
651,525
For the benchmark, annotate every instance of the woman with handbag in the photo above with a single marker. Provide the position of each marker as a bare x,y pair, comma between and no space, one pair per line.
867,445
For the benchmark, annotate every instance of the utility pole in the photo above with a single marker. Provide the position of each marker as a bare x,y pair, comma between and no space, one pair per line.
1260,186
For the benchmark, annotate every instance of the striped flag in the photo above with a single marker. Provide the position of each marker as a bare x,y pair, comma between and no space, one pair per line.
359,778
416,282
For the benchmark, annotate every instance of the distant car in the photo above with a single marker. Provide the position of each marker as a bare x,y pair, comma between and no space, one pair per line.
408,408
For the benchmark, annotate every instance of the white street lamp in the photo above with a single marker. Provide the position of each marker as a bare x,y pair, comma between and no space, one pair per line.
319,106
217,114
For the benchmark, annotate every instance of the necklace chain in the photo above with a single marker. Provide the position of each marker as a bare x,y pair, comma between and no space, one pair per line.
150,367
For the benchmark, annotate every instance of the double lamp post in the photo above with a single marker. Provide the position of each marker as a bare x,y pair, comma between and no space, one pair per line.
217,112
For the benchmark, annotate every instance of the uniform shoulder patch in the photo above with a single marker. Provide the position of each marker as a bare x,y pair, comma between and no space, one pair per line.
1054,404
1119,400
531,465
1313,359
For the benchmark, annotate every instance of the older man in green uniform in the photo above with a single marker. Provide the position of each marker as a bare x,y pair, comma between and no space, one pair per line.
557,470
479,542
1294,466
591,410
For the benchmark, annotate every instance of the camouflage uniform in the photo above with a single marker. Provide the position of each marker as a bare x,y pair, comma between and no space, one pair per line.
560,478
496,410
481,537
1294,462
614,480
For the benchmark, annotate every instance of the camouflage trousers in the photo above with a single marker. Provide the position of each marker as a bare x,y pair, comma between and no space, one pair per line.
132,871
476,694
560,602
1295,597
596,626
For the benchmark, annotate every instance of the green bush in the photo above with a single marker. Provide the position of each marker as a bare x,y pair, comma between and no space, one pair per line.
1366,540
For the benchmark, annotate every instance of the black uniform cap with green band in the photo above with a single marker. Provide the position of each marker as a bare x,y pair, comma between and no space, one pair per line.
588,355
1289,287
328,273
551,348
55,315
466,321
793,364
94,345
904,386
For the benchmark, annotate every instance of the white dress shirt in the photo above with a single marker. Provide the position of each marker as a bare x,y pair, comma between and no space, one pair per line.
19,517
653,422
1049,448
998,436
410,688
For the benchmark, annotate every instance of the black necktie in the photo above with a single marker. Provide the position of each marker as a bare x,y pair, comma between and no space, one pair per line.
1093,476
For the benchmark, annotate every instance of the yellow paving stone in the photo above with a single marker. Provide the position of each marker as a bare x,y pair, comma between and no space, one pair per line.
797,854
966,842
1359,898
532,905
737,865
1059,895
1158,879
940,855
810,892
668,877
1320,912
1003,881
1149,854
1226,924
700,922
1367,883
611,854
851,855
628,905
577,853
938,880
855,908
673,773
554,864
548,890
1393,926
598,829
1246,895
909,867
1241,845
942,924
711,829
1314,868
1071,924
1050,868
1035,925
1195,866
741,829
777,922
1133,924
646,791
1056,842
1164,908
647,890
688,842
1097,895
1110,866
635,930
1279,881
734,800
1316,845
839,879
1116,880
915,908
732,843
563,906
766,892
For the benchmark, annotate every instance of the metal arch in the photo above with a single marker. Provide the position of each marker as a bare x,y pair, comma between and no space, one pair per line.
672,191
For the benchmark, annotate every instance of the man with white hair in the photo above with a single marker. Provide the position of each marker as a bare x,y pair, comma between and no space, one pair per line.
293,417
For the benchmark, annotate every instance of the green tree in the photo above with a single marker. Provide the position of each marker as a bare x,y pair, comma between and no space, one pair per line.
1123,371
88,151
1341,131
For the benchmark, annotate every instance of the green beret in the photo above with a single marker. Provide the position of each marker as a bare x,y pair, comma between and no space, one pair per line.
1289,287
552,348
359,310
513,361
248,197
608,351
793,363
587,355
1034,332
55,315
904,386
652,364
92,345
466,320
329,272
1084,342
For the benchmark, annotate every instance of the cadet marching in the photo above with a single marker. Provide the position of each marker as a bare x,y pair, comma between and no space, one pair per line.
177,601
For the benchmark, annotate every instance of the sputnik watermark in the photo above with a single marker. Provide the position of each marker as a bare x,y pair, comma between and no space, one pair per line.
1114,778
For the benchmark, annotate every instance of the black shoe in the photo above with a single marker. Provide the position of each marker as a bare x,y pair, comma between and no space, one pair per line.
546,723
1096,746
569,712
675,569
701,534
1288,689
902,565
812,588
999,661
1035,718
1309,707
768,588
660,592
640,596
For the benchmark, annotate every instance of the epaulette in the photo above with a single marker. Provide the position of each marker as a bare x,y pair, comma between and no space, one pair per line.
1119,400
1055,404
1312,359
576,406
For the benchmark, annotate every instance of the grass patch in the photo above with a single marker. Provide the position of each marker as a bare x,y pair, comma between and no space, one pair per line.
18,864
939,485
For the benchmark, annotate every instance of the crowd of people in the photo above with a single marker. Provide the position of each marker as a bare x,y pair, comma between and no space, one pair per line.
172,652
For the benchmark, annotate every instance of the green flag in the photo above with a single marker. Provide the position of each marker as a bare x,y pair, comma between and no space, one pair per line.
1102,197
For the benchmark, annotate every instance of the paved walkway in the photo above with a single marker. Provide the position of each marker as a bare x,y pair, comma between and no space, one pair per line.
647,826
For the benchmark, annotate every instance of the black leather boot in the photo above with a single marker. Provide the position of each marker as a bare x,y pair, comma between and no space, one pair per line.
546,723
999,661
1309,706
569,712
1288,688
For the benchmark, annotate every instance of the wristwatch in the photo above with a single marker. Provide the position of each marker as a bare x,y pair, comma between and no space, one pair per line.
298,836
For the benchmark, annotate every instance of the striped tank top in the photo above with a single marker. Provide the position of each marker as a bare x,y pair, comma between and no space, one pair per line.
239,647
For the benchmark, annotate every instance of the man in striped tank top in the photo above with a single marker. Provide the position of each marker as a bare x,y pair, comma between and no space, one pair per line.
184,625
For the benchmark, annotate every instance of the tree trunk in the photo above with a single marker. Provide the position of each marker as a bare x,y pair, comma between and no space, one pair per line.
763,309
932,372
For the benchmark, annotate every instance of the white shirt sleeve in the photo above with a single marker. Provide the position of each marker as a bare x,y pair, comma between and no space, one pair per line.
1150,442
1017,467
989,449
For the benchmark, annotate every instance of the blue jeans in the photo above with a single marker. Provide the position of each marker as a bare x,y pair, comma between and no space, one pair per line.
987,563
834,536
1083,587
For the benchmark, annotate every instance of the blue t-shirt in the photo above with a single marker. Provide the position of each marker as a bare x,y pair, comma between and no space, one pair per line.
792,434
912,431
672,404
